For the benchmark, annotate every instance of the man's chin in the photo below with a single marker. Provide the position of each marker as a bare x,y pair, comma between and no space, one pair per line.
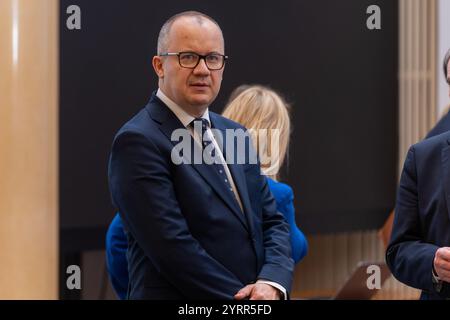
201,102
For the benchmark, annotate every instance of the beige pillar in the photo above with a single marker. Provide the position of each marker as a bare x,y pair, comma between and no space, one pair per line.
28,149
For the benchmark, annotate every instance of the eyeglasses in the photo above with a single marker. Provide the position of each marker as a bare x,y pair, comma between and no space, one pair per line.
213,61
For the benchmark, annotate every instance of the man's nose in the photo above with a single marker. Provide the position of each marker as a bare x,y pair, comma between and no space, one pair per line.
201,67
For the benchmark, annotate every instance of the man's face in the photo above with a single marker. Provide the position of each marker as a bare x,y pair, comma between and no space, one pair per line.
192,89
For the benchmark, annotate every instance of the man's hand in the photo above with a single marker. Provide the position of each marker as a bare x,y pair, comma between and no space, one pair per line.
258,291
441,263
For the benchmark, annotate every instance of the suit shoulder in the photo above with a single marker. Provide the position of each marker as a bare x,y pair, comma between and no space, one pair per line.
432,143
140,123
427,153
442,126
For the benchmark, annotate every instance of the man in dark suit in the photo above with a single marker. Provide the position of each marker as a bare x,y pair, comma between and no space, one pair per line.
195,230
419,250
443,124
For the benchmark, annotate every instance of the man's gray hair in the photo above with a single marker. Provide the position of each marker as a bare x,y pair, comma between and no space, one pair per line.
163,38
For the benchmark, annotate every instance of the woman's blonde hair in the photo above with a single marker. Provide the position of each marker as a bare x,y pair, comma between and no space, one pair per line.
266,114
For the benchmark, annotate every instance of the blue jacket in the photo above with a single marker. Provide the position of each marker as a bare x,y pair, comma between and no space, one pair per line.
116,240
178,248
116,256
284,197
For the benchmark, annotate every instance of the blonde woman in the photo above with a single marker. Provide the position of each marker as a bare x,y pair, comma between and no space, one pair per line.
266,115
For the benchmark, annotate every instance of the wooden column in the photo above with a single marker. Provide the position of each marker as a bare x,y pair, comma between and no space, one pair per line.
28,149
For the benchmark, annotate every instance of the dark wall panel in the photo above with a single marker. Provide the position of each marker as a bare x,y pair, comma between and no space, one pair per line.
339,76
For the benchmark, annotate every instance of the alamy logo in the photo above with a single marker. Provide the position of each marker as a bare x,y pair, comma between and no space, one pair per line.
374,280
235,143
374,20
73,22
74,279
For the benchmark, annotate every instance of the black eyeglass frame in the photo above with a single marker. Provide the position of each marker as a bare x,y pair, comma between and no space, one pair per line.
200,57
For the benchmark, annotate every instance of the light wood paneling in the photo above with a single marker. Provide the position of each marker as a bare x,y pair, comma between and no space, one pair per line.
28,149
331,260
417,72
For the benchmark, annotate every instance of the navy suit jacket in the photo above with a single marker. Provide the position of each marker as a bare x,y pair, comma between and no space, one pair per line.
422,215
116,240
442,126
187,237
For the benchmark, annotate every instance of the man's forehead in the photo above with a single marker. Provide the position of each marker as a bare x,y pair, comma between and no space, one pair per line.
193,21
185,28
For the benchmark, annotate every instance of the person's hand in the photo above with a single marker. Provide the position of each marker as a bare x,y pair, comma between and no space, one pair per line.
258,291
441,263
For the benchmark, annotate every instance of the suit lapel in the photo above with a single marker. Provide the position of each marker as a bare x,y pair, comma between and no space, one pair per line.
168,123
445,157
236,170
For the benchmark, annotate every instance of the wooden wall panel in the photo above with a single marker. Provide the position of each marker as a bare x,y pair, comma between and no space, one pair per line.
28,149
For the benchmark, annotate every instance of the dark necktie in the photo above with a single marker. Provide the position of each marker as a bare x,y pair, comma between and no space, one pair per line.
206,142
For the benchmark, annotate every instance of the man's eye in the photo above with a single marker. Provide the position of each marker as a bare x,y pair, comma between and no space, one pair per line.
213,58
188,57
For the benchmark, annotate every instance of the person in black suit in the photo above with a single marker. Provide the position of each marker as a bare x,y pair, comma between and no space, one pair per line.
443,124
196,230
419,250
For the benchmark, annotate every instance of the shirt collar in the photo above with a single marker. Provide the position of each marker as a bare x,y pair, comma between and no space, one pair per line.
184,117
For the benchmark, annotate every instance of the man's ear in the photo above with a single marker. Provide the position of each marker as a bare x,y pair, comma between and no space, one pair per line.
158,66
